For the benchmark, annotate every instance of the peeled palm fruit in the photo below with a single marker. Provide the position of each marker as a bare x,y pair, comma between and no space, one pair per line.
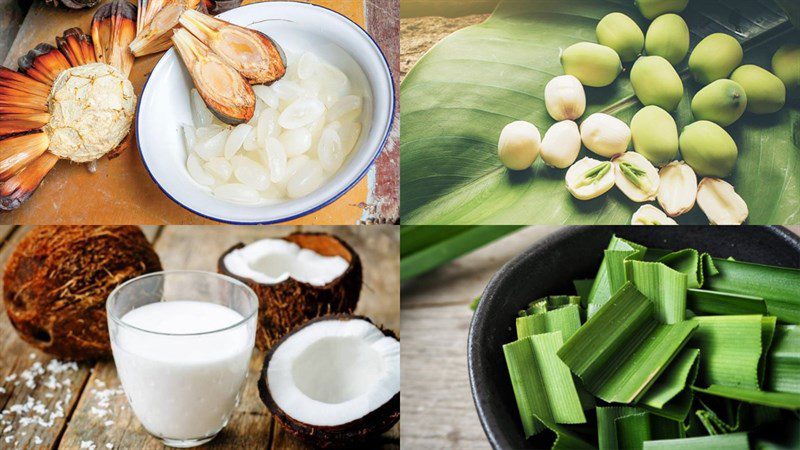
621,33
605,135
655,82
519,145
655,135
708,149
715,57
668,37
721,102
766,93
561,144
786,65
594,65
565,98
654,8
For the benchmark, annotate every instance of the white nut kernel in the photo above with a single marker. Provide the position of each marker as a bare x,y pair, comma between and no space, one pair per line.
519,145
605,135
561,144
565,98
590,178
636,177
678,190
720,202
650,215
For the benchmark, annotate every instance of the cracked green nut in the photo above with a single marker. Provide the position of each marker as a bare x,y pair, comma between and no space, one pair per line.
621,33
720,202
708,149
590,178
650,215
677,192
593,64
636,177
668,37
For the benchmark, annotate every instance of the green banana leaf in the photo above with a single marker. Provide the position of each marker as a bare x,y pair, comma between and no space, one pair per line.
460,95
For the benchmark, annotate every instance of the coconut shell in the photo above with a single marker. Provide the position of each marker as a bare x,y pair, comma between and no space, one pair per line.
349,435
285,305
57,281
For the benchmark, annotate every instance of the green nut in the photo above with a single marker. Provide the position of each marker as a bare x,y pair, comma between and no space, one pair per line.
593,64
766,93
721,102
656,82
708,149
715,57
655,135
668,37
786,65
622,34
654,8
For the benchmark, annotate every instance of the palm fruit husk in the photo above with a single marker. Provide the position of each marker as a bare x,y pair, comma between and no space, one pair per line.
43,63
22,123
73,4
155,22
113,30
18,188
77,47
253,54
225,91
18,151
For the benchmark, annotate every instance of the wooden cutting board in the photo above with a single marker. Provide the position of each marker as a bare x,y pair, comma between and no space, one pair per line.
121,191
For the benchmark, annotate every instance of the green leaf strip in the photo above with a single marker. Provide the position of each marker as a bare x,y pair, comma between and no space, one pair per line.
611,275
733,441
663,285
783,400
688,261
778,286
542,384
730,350
671,395
783,360
704,302
620,351
566,319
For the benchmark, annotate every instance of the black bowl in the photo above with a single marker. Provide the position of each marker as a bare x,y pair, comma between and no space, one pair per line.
549,268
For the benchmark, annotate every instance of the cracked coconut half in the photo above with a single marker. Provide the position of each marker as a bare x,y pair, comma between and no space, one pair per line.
73,101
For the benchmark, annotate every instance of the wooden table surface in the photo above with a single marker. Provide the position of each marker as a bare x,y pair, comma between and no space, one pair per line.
122,192
436,400
180,247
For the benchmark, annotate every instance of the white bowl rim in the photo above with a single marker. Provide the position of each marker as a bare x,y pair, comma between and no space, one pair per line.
333,198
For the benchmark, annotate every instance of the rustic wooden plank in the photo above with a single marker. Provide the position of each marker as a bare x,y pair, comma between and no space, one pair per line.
11,17
465,278
435,400
122,192
17,398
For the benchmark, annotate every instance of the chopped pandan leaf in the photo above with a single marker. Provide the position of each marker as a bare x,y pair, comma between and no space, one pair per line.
611,275
663,285
567,320
620,351
783,360
687,261
734,441
567,437
474,305
730,350
778,286
627,428
671,395
544,304
542,384
706,302
782,400
768,324
583,288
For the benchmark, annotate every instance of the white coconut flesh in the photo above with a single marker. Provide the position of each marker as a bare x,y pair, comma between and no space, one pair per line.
271,261
91,109
333,372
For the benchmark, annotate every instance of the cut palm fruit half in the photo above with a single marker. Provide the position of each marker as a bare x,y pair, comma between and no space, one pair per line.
113,30
72,4
64,104
224,90
334,381
253,54
156,21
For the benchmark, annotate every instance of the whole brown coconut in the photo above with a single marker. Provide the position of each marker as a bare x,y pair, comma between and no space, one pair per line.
285,305
57,281
356,434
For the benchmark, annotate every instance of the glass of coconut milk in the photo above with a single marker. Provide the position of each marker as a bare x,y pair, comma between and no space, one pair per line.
182,342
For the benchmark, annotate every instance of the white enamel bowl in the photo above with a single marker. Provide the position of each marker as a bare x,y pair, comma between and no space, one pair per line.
297,27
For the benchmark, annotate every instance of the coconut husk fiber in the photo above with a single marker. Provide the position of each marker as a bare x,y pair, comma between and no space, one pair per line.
56,283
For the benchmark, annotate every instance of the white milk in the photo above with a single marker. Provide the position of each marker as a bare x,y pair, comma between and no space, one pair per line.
183,387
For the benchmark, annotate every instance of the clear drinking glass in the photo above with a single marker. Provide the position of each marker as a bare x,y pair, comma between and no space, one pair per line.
182,342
